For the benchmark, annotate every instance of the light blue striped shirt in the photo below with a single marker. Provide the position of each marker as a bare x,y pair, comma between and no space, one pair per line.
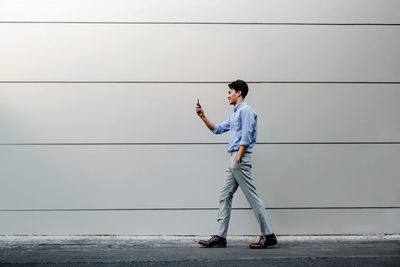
242,124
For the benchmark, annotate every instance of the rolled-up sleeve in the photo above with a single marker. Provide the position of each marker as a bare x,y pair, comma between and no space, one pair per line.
221,128
248,120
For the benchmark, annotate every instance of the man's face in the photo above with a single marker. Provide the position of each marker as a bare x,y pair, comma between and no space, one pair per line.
232,96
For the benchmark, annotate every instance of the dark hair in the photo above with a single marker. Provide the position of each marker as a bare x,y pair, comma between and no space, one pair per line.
239,85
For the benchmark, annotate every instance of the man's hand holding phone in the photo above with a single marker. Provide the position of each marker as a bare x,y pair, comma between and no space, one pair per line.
199,110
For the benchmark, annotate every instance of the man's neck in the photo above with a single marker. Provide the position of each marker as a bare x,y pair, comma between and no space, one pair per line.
238,102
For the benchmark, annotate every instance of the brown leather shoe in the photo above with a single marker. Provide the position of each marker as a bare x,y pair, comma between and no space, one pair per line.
214,241
265,241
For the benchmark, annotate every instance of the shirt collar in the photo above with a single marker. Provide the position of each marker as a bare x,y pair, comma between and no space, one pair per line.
238,105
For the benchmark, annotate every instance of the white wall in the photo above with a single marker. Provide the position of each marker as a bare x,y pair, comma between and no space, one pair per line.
98,133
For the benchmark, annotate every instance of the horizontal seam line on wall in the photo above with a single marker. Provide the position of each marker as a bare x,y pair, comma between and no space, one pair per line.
203,23
194,209
213,82
222,143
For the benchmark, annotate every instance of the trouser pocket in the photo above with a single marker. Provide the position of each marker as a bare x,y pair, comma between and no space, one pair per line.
245,162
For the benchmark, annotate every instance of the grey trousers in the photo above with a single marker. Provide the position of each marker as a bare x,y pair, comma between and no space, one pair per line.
240,175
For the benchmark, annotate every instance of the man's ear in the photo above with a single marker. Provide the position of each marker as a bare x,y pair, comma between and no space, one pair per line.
239,93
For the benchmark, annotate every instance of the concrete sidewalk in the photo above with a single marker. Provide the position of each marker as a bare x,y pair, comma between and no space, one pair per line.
114,250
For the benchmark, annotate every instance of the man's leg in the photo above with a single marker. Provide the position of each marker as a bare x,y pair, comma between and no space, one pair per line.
242,174
225,203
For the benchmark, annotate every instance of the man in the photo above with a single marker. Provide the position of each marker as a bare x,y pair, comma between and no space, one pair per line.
242,125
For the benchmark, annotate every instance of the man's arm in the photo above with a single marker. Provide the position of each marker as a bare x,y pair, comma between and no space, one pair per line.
247,120
209,123
217,129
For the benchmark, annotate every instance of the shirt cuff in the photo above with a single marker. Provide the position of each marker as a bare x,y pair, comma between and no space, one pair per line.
215,129
244,144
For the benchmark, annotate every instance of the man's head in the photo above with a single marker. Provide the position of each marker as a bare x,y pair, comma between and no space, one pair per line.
237,91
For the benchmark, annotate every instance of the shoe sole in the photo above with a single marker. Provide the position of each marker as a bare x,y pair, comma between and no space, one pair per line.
218,246
274,245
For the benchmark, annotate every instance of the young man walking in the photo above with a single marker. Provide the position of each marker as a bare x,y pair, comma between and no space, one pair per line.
242,125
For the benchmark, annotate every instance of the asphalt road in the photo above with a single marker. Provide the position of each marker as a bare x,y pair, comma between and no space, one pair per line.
113,250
